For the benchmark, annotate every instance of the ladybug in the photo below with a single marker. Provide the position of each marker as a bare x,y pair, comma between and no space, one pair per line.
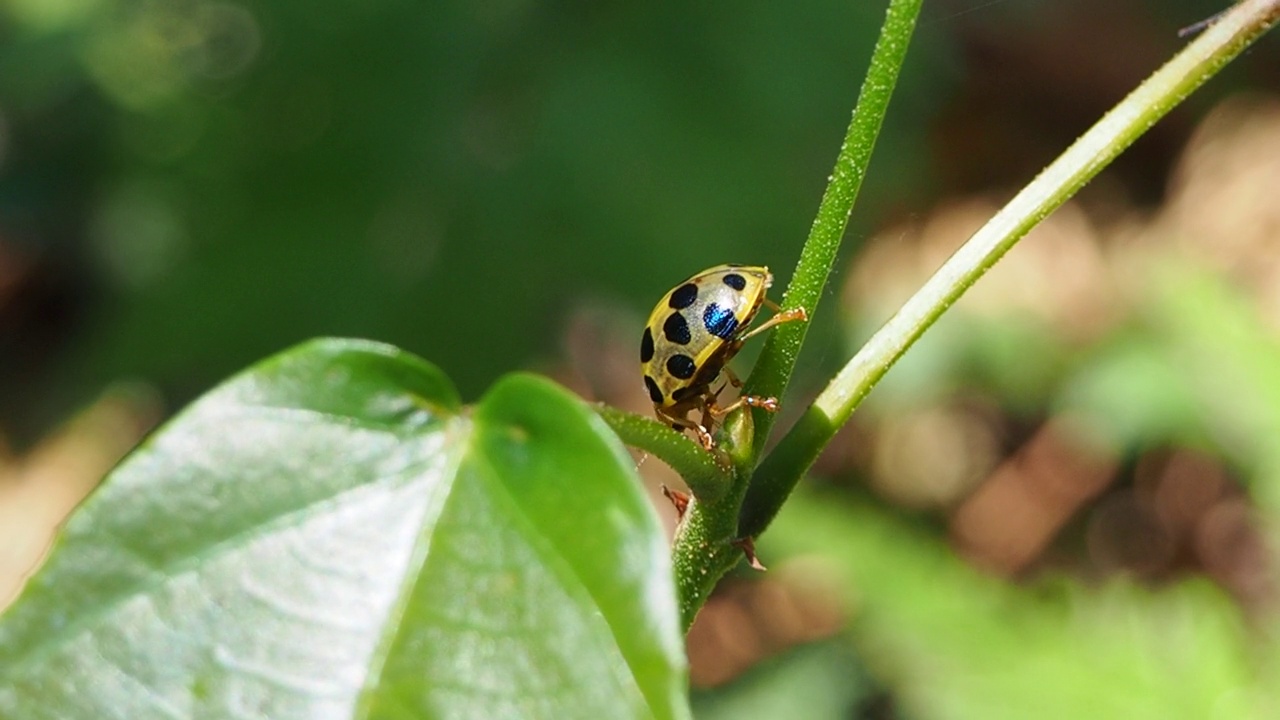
694,331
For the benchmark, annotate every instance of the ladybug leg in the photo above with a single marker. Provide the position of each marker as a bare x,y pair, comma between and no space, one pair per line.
704,437
783,316
683,423
709,412
708,407
755,401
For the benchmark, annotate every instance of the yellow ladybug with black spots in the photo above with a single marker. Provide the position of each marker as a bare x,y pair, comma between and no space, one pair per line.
693,332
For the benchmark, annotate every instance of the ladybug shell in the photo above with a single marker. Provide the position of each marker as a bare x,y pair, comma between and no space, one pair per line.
694,330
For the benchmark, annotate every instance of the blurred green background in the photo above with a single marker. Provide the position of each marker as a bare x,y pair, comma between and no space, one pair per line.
187,186
204,183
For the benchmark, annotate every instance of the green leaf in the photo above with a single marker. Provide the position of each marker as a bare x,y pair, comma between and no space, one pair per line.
330,535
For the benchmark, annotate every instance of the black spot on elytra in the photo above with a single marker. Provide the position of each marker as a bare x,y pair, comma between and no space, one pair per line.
735,281
646,346
681,366
654,393
676,329
719,321
683,296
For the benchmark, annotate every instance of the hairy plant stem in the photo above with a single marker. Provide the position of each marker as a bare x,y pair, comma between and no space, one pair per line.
704,549
772,371
707,475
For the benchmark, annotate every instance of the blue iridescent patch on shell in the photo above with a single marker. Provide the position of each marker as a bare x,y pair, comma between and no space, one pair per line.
719,321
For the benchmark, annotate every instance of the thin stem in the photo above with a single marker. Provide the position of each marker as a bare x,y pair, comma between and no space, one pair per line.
706,475
777,359
1189,69
704,549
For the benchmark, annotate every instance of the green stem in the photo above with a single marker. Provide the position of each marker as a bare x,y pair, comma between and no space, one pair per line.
777,359
1189,69
706,475
704,549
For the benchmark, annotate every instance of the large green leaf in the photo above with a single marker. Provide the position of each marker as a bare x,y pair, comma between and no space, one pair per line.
330,535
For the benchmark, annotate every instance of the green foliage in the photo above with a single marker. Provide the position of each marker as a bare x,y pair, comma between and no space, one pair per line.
330,535
956,644
373,165
1202,369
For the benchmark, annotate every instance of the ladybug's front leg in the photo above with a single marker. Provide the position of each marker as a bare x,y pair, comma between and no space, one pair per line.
764,403
783,316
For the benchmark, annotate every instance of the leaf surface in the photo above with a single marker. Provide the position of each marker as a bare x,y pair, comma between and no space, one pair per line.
332,535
